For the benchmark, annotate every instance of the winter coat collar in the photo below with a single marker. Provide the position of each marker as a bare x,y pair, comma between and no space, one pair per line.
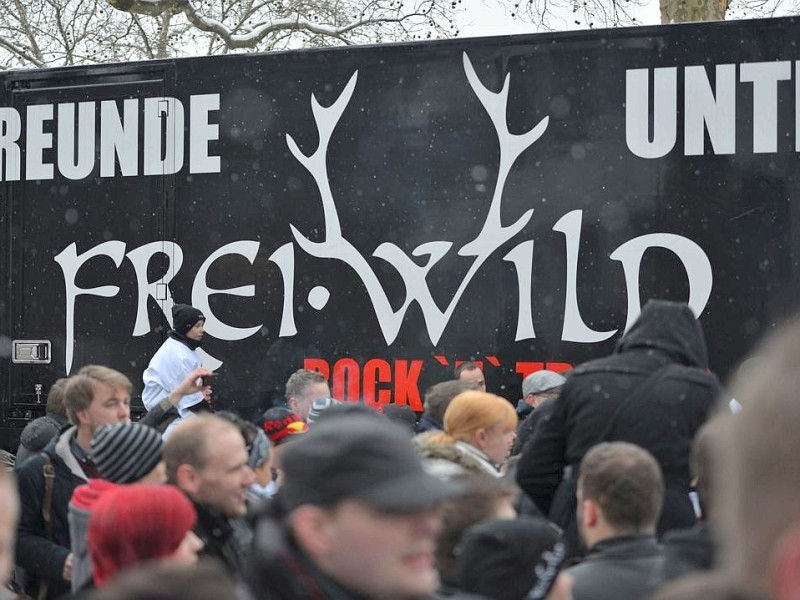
191,344
484,461
212,523
446,459
428,423
625,546
60,447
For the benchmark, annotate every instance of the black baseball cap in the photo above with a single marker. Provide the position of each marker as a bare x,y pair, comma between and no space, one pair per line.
358,457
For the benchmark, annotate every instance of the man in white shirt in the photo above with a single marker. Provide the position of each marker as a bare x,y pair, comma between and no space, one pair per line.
176,358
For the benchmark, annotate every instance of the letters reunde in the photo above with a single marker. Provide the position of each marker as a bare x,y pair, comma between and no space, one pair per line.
154,147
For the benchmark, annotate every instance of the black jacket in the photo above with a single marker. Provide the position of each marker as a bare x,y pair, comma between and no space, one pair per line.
625,567
428,423
219,538
160,416
654,391
688,551
529,423
42,558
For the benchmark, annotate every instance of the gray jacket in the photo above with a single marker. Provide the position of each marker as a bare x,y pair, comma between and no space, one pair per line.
626,567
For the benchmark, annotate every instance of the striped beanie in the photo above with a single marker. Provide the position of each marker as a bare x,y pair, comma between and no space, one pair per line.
318,407
125,452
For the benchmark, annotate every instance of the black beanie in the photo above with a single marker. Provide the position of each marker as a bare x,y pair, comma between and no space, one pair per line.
517,559
184,318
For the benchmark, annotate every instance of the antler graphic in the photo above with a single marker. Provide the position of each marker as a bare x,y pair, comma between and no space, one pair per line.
491,237
316,164
511,147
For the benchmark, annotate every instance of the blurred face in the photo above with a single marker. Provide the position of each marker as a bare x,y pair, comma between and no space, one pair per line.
197,331
539,399
380,555
497,442
109,405
186,554
301,404
9,513
222,483
475,378
263,472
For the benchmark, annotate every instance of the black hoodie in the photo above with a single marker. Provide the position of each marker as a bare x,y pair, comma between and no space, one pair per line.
654,390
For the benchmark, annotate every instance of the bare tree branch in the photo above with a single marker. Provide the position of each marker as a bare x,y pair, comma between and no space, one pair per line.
39,33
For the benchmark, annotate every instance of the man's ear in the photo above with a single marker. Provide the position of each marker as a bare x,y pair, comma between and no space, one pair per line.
188,479
784,568
81,418
589,513
293,405
309,525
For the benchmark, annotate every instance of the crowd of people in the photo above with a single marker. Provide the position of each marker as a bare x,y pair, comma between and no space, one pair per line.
627,477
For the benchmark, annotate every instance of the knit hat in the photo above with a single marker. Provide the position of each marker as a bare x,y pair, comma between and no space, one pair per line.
259,450
539,382
402,414
184,318
318,406
135,523
36,435
125,452
280,424
510,559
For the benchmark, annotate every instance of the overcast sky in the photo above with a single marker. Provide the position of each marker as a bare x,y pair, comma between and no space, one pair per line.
487,18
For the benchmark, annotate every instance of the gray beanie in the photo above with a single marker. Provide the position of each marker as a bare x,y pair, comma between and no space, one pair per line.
36,435
319,406
259,451
125,452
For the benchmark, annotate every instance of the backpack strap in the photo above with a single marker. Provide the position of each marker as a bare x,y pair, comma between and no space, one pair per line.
49,473
47,502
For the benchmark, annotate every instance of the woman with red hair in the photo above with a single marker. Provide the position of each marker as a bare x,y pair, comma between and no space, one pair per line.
137,523
479,430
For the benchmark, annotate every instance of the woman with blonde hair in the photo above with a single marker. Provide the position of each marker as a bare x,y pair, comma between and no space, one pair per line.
479,430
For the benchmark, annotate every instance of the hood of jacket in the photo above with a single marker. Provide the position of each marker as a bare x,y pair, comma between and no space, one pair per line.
437,455
59,447
87,495
670,328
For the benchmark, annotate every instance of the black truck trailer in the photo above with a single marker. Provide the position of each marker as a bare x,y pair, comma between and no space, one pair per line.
382,213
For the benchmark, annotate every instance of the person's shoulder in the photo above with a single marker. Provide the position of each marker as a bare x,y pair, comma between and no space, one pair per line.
33,464
453,594
695,375
51,453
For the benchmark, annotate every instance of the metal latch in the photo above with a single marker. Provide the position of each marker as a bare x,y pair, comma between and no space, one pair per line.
31,351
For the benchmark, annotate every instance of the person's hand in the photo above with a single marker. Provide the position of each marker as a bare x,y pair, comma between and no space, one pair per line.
66,574
191,385
207,391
